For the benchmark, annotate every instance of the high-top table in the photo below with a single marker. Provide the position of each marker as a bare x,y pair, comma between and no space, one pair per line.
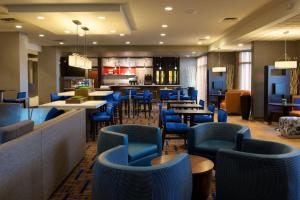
91,94
201,171
169,102
186,106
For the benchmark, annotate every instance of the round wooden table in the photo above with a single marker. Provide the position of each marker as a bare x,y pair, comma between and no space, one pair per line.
201,171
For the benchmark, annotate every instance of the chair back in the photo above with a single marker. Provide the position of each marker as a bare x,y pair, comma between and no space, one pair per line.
261,170
202,103
110,109
169,181
54,96
117,96
21,95
164,94
194,95
222,115
211,108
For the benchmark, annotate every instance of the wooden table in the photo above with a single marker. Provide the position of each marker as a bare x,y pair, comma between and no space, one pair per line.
185,106
220,97
285,109
191,113
201,171
169,102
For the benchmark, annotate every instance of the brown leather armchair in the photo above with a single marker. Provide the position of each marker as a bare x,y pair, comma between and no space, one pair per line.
232,102
296,110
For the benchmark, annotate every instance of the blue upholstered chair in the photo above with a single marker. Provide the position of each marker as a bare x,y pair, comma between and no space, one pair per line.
102,117
53,113
144,142
222,115
113,179
144,100
208,138
21,98
173,127
205,118
202,103
261,170
54,97
165,95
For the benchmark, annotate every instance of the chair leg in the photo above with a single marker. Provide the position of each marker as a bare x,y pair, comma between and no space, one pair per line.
163,138
145,109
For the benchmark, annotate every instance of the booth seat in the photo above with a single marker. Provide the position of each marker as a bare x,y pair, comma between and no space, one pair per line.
296,110
114,179
143,142
261,170
35,164
232,102
208,138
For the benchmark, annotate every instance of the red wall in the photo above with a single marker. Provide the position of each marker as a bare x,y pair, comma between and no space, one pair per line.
121,70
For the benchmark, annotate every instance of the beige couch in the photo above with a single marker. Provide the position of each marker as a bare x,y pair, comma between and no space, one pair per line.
35,164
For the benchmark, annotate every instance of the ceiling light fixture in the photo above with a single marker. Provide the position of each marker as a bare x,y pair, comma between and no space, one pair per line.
127,42
40,17
122,34
81,34
219,68
207,37
112,31
199,42
61,43
41,35
77,60
161,42
287,62
168,8
163,34
19,26
187,56
95,42
67,31
164,26
193,52
101,17
240,44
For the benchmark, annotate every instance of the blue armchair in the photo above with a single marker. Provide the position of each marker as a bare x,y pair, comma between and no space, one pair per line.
208,138
144,142
113,179
261,170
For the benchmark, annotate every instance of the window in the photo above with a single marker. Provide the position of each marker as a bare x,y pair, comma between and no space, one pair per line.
245,70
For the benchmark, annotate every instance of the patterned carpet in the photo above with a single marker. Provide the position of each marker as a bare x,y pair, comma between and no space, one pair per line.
78,184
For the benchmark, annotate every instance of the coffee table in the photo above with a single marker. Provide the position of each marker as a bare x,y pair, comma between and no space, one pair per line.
201,171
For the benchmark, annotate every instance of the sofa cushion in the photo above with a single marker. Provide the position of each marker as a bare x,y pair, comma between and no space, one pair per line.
138,150
295,113
13,131
211,147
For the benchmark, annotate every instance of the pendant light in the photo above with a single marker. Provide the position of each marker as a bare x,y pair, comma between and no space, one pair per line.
219,68
287,63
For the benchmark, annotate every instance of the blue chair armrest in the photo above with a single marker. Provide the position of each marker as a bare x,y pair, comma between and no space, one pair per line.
111,140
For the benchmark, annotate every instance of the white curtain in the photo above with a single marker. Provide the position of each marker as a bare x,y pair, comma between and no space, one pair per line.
245,70
201,77
187,72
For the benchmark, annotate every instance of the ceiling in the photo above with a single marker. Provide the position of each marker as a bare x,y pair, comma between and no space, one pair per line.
190,22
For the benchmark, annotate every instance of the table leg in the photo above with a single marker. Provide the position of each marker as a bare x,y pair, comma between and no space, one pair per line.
202,185
285,111
185,118
192,120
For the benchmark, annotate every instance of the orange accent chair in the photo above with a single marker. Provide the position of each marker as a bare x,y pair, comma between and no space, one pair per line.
232,102
296,110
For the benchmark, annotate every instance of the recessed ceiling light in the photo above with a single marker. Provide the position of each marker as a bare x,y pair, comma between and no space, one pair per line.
61,43
163,34
122,34
240,44
199,42
95,42
207,37
67,31
164,26
187,56
128,42
41,35
40,17
168,8
81,34
161,42
101,17
19,26
112,31
193,52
